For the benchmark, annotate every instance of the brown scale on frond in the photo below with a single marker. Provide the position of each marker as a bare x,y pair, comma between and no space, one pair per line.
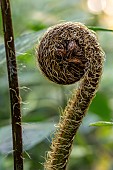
61,53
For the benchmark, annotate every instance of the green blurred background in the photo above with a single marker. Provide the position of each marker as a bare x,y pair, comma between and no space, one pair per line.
43,101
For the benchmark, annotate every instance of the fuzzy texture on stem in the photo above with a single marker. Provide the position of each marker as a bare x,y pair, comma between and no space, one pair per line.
69,52
13,85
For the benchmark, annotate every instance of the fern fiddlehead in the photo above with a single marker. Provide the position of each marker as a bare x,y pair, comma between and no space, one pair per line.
70,52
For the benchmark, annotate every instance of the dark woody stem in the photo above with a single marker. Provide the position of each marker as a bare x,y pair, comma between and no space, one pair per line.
13,85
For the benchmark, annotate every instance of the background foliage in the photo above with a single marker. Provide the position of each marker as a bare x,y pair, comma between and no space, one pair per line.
43,101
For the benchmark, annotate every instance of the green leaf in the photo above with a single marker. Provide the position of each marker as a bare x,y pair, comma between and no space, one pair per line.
99,29
100,106
33,133
101,123
22,44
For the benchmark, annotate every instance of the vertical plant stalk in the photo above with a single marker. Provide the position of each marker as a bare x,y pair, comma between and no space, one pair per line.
67,53
13,85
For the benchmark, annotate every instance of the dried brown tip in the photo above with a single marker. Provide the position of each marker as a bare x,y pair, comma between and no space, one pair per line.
61,55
